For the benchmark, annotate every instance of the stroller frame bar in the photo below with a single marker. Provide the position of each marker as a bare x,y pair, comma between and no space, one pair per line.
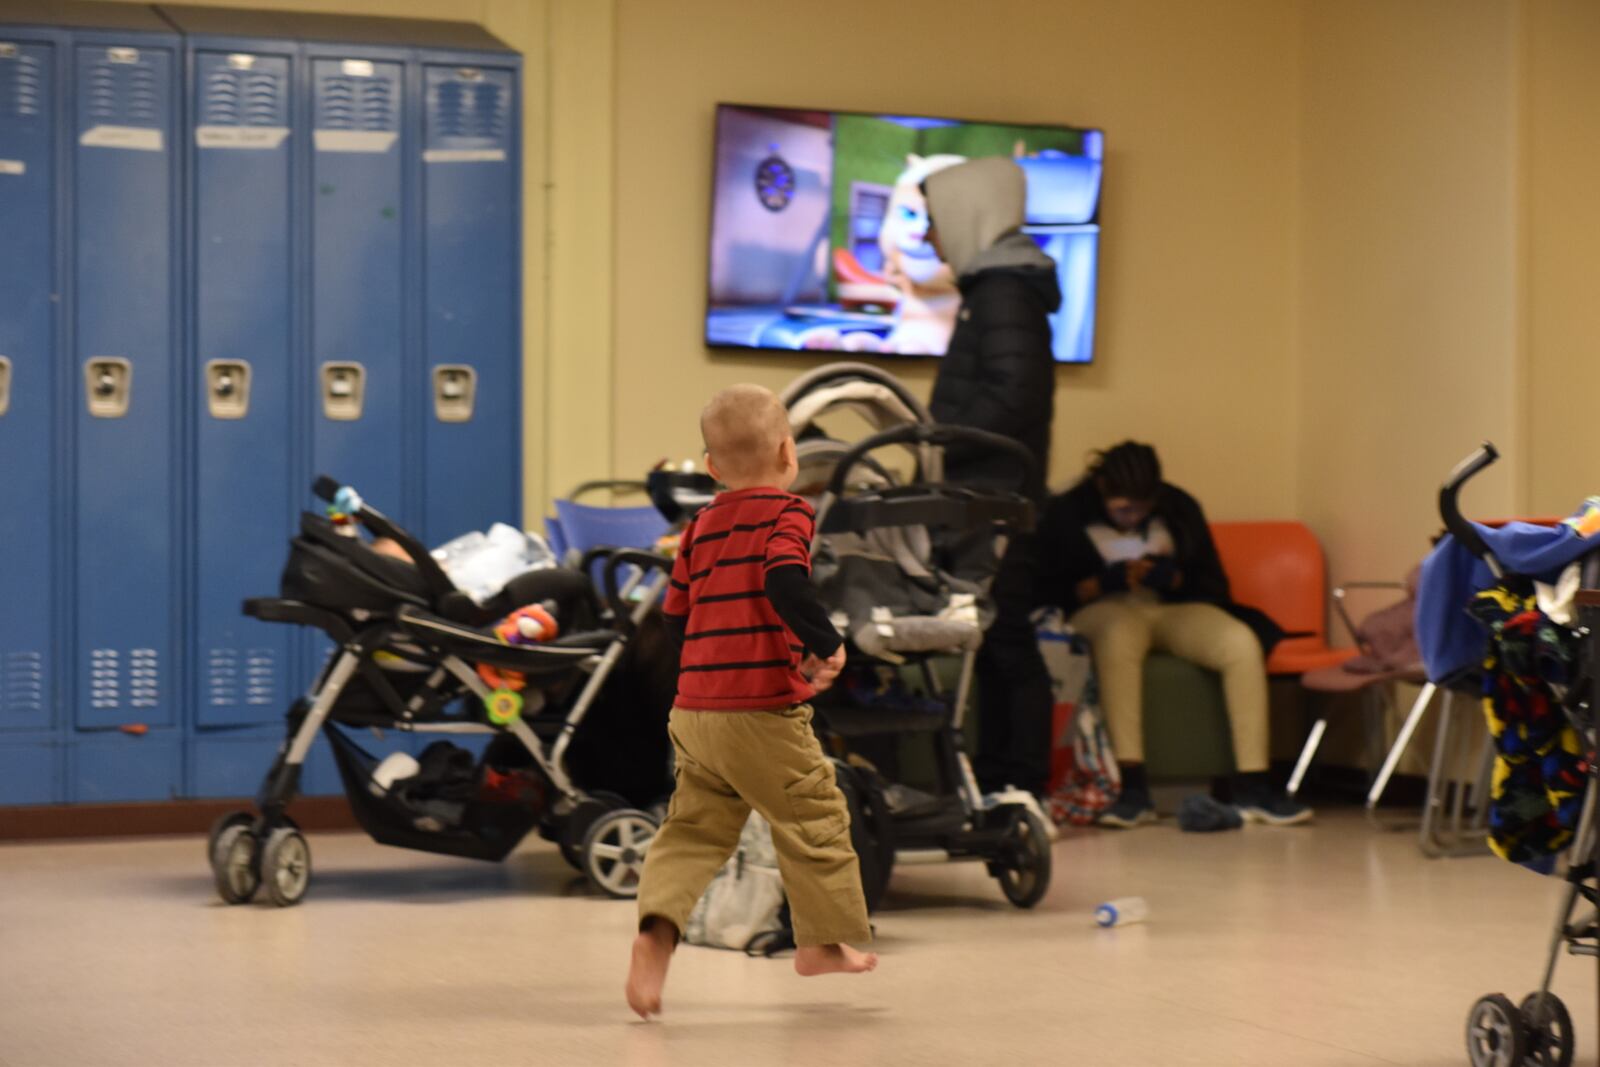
552,762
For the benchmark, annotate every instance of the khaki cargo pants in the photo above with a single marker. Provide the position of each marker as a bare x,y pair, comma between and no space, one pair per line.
727,763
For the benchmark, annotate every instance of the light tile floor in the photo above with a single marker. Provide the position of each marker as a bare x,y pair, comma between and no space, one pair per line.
1327,945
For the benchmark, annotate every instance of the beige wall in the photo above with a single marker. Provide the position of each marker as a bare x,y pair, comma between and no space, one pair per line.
1195,342
1561,151
1407,330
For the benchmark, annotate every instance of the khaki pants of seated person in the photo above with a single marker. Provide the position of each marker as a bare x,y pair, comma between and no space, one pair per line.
1124,628
727,763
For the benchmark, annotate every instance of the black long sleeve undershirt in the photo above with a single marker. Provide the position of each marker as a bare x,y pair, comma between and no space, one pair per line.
794,598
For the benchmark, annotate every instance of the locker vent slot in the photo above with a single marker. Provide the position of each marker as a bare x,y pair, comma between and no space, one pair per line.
346,103
20,80
231,673
244,98
105,678
475,110
260,677
144,678
222,677
124,94
24,683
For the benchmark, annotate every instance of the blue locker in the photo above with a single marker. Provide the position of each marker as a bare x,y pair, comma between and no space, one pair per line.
470,297
357,280
242,276
126,542
30,276
111,767
30,771
357,285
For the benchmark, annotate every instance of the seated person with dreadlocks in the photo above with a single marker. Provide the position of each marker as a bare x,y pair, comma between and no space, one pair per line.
1132,561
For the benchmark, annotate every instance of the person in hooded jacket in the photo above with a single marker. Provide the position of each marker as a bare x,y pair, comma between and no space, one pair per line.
999,375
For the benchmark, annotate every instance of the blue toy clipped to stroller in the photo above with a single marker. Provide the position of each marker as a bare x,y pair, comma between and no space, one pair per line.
410,646
1529,631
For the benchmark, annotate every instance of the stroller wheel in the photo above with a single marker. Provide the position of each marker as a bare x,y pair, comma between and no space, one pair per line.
223,825
1549,1026
1496,1036
614,851
235,859
286,866
1025,866
575,827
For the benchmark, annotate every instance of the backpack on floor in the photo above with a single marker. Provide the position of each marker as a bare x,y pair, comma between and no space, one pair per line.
1084,780
744,907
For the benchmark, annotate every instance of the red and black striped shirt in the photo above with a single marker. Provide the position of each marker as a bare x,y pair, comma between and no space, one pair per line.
738,654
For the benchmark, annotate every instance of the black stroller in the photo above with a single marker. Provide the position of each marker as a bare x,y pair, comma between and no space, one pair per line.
1539,1030
408,648
881,540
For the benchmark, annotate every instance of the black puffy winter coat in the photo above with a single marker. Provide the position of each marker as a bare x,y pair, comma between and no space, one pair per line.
999,374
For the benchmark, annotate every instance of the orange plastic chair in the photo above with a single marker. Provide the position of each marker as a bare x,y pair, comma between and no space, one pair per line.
1279,568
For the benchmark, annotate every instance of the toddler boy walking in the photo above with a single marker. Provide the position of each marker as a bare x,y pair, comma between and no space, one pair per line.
757,644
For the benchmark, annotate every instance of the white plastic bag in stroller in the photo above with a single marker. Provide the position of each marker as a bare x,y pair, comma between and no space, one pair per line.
480,564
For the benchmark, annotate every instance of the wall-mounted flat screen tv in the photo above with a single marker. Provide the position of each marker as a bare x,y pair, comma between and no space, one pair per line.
819,228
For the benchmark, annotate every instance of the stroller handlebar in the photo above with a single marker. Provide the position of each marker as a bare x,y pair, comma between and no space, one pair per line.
615,560
1449,506
439,584
931,434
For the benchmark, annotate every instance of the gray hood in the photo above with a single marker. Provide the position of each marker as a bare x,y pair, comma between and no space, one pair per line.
978,208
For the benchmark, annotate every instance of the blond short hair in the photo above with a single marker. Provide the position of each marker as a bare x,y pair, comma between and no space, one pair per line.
744,426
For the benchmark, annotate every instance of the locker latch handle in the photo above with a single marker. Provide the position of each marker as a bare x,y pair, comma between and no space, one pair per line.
108,382
455,390
344,387
5,385
228,388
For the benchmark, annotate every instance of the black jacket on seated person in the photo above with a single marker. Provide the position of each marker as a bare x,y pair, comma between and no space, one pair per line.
1067,555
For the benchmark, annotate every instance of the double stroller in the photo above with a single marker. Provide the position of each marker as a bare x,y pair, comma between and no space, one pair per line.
1533,589
416,655
904,562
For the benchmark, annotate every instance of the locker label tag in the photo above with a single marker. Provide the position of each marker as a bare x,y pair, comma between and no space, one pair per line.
13,166
464,155
253,137
133,138
375,142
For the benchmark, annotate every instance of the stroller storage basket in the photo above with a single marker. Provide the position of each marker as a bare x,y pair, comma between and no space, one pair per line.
486,831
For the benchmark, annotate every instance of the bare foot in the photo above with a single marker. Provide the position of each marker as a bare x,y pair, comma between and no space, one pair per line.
812,960
652,952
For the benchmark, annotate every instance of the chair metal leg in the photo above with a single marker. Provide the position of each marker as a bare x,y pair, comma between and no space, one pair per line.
1418,708
1306,753
1446,801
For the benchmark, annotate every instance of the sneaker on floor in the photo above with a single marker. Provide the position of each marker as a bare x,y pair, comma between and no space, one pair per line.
1272,808
1128,813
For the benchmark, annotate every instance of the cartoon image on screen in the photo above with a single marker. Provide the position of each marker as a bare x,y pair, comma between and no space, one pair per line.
819,228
